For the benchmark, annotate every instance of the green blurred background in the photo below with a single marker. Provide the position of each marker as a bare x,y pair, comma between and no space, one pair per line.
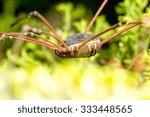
121,70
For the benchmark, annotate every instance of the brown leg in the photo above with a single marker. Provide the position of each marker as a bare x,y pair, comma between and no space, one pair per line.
20,36
110,28
39,31
118,33
37,14
32,34
96,15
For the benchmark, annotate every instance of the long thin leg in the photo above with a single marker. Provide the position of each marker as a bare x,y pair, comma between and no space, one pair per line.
35,35
27,28
110,28
118,33
28,39
37,14
96,15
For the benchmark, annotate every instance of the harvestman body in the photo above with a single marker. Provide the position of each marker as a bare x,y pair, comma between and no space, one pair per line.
77,45
73,42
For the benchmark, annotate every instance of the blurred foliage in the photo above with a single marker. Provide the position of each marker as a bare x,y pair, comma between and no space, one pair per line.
120,71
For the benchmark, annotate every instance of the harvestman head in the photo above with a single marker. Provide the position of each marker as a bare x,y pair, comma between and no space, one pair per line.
77,45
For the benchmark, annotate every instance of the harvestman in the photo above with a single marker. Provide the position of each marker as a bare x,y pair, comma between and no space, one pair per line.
77,45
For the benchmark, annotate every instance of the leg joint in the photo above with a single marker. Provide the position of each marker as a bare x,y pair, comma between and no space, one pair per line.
5,36
123,22
34,13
